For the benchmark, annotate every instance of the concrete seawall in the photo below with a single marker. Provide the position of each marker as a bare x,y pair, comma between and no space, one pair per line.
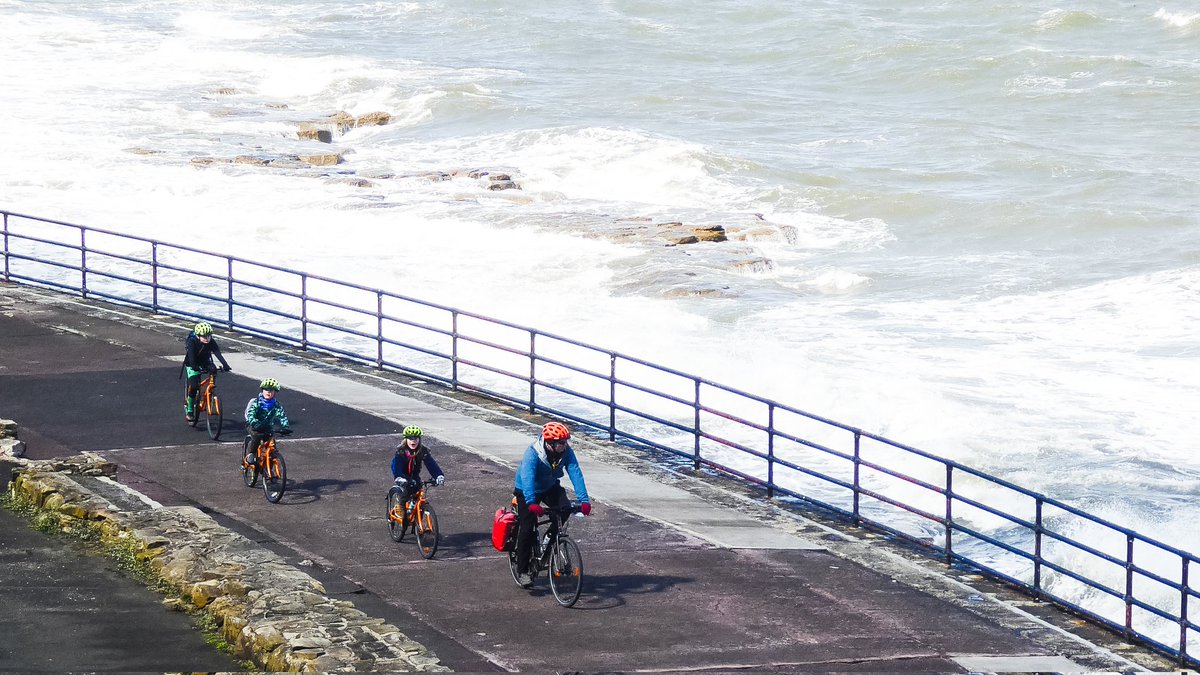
724,580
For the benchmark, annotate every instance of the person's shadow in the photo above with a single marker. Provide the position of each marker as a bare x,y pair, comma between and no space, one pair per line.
309,490
609,591
460,544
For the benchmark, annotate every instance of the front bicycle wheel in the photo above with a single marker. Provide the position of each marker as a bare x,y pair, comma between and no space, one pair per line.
427,532
395,516
249,470
212,417
274,477
566,572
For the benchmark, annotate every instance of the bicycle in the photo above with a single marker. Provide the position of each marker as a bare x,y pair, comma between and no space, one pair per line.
269,463
417,514
209,403
555,552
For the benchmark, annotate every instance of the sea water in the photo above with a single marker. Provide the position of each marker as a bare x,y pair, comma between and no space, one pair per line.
970,227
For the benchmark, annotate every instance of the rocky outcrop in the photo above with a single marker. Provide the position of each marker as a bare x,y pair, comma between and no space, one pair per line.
269,611
10,446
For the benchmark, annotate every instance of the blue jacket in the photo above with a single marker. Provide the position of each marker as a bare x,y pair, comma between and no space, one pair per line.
407,466
535,475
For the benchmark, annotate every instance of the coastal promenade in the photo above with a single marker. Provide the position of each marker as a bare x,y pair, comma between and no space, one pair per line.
681,574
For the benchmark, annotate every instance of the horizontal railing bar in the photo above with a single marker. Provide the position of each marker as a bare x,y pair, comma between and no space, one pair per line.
963,499
958,527
101,276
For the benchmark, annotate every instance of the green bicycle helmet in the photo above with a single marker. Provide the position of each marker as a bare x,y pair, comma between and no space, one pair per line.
202,328
412,431
270,384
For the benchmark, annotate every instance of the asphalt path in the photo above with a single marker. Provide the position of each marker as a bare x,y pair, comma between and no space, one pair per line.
66,610
655,597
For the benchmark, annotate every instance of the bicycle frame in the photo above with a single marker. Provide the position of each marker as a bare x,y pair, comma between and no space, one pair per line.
418,502
551,528
208,388
417,514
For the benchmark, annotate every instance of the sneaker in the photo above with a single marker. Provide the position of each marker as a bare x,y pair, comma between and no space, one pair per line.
189,417
524,580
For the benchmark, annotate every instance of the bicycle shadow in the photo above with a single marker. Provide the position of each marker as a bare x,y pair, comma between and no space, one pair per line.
611,591
309,490
463,544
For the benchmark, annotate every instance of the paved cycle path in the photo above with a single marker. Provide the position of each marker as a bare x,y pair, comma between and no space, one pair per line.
672,582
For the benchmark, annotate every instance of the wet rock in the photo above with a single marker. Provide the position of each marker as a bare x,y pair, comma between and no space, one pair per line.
322,135
322,159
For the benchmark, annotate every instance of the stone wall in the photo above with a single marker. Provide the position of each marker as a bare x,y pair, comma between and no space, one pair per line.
272,613
9,445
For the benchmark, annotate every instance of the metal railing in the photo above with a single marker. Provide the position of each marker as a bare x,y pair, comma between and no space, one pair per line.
1132,584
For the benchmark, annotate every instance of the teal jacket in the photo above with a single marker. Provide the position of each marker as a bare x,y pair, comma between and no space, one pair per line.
260,418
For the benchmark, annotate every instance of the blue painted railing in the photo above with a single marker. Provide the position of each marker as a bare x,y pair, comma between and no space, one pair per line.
1135,585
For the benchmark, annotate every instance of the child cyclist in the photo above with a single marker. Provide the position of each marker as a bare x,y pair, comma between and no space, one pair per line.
263,412
198,358
406,464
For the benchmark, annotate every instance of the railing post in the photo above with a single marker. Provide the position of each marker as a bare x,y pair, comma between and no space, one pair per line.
856,516
1037,548
612,396
1128,584
379,329
154,276
696,429
454,350
1183,610
770,450
304,312
532,369
6,246
83,262
229,292
949,514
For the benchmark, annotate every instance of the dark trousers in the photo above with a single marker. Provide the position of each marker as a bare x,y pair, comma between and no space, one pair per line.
407,488
256,439
555,498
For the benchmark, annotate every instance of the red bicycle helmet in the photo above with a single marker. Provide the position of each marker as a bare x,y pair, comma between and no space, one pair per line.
555,431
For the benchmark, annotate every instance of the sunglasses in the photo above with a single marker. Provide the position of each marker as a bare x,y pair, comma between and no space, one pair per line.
558,445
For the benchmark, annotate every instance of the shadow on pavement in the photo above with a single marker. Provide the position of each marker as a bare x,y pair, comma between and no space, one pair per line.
309,490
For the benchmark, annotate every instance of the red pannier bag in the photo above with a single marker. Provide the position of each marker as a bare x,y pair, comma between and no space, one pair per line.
504,530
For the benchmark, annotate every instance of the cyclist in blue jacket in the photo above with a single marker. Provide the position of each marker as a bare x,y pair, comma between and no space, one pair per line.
536,483
411,454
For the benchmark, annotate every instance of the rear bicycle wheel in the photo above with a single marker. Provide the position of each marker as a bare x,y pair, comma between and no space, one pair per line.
274,477
249,471
395,516
427,532
212,417
534,555
512,567
566,572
